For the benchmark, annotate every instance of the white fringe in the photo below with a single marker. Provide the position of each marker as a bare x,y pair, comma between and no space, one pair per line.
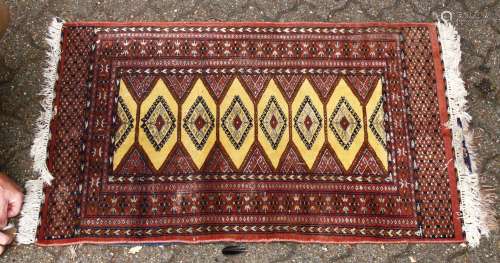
34,188
473,207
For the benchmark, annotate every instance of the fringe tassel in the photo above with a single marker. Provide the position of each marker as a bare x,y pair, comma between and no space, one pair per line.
476,213
34,188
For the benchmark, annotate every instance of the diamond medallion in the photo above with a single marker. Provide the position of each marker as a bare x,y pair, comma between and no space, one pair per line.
236,122
159,123
344,123
273,122
199,122
308,122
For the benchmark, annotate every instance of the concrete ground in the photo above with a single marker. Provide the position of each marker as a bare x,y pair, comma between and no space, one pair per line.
21,62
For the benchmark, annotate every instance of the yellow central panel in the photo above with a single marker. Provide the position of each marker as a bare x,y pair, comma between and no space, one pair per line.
158,131
273,123
308,123
236,123
198,123
376,131
346,131
126,114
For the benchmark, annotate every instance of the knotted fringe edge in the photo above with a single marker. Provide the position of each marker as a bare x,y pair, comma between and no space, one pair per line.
28,223
476,211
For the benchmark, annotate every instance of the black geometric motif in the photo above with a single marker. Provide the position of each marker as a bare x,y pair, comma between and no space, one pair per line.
308,122
344,112
199,123
236,122
124,121
158,123
273,115
377,125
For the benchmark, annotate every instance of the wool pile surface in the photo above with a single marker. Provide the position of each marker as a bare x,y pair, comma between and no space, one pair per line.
200,132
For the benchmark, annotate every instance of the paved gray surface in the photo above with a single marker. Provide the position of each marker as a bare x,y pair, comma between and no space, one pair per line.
22,52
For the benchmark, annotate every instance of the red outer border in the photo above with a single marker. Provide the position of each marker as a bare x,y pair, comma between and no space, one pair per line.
248,238
248,24
292,237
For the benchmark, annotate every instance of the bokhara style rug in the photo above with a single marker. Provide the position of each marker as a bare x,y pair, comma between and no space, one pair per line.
198,132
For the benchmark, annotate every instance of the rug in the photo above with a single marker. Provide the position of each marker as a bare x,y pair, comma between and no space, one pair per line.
251,132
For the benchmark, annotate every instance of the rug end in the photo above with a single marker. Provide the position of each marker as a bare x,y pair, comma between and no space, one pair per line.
475,202
28,222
